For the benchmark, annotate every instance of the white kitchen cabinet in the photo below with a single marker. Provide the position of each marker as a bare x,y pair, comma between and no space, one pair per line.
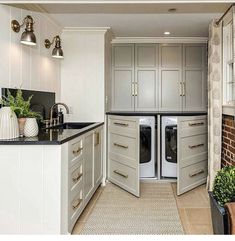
52,183
123,77
192,152
98,167
170,68
123,153
166,77
88,165
194,77
146,77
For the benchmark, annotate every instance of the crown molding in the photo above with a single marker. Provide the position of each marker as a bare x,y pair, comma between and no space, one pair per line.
160,40
86,29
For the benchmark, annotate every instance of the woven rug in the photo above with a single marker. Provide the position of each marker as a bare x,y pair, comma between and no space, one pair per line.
118,212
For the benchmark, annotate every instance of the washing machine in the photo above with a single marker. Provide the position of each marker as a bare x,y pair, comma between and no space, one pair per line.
169,146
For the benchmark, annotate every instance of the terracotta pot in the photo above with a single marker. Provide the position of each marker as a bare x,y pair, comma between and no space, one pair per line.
21,122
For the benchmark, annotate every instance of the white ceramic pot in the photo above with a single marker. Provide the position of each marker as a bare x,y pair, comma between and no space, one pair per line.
9,127
31,127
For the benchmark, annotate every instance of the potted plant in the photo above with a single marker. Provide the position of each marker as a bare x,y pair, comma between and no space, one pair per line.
223,192
26,118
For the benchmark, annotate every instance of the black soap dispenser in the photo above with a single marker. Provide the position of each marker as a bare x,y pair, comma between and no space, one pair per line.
61,117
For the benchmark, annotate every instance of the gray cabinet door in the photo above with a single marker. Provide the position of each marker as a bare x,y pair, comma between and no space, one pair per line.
123,77
97,156
146,77
192,153
170,76
123,152
194,77
88,165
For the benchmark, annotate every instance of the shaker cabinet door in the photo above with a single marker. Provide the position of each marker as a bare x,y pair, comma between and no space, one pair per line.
170,75
123,152
194,77
123,77
192,153
146,77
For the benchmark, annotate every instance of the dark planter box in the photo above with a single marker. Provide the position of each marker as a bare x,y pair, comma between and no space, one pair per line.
219,217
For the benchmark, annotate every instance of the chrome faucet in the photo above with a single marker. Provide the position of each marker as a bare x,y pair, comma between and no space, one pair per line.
52,108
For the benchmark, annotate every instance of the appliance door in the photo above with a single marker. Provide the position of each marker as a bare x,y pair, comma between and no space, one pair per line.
145,143
171,143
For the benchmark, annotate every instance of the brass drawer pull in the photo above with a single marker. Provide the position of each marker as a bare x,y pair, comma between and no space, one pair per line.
120,145
120,124
76,179
196,173
133,89
120,173
79,201
181,89
97,138
196,146
78,150
184,88
196,124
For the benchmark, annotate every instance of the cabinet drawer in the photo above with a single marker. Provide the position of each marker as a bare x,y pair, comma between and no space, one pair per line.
75,207
123,175
193,127
193,145
76,175
75,151
122,145
193,175
126,127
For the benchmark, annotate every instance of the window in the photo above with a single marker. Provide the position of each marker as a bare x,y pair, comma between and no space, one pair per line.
228,65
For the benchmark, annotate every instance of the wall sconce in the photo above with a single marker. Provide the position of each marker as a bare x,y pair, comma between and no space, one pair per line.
57,52
27,37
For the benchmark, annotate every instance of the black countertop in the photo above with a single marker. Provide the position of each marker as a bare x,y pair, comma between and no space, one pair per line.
154,113
53,136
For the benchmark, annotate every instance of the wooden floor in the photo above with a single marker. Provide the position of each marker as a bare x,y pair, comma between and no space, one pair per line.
193,207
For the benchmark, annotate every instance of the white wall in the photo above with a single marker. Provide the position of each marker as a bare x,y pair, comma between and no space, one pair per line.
83,74
25,66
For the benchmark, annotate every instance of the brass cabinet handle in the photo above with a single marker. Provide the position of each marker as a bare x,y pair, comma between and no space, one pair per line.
121,173
133,89
120,145
195,146
181,89
136,89
76,179
184,88
78,150
120,124
196,124
97,138
79,201
196,173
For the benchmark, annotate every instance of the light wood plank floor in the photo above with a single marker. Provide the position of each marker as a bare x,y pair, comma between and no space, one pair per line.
193,207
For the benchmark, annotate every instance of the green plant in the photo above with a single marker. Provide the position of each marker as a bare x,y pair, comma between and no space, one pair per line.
224,185
20,106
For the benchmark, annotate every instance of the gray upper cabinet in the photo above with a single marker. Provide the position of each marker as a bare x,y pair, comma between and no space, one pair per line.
170,66
194,77
166,77
146,77
123,77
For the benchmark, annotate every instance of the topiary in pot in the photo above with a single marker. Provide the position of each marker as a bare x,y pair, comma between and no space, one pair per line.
224,185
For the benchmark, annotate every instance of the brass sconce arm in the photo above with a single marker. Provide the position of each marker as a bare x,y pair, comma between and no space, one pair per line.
28,21
56,40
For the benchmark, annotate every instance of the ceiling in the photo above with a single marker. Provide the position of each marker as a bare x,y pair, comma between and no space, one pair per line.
137,20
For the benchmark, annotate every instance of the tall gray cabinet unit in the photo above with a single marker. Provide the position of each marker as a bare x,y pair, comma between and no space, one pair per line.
151,77
135,77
